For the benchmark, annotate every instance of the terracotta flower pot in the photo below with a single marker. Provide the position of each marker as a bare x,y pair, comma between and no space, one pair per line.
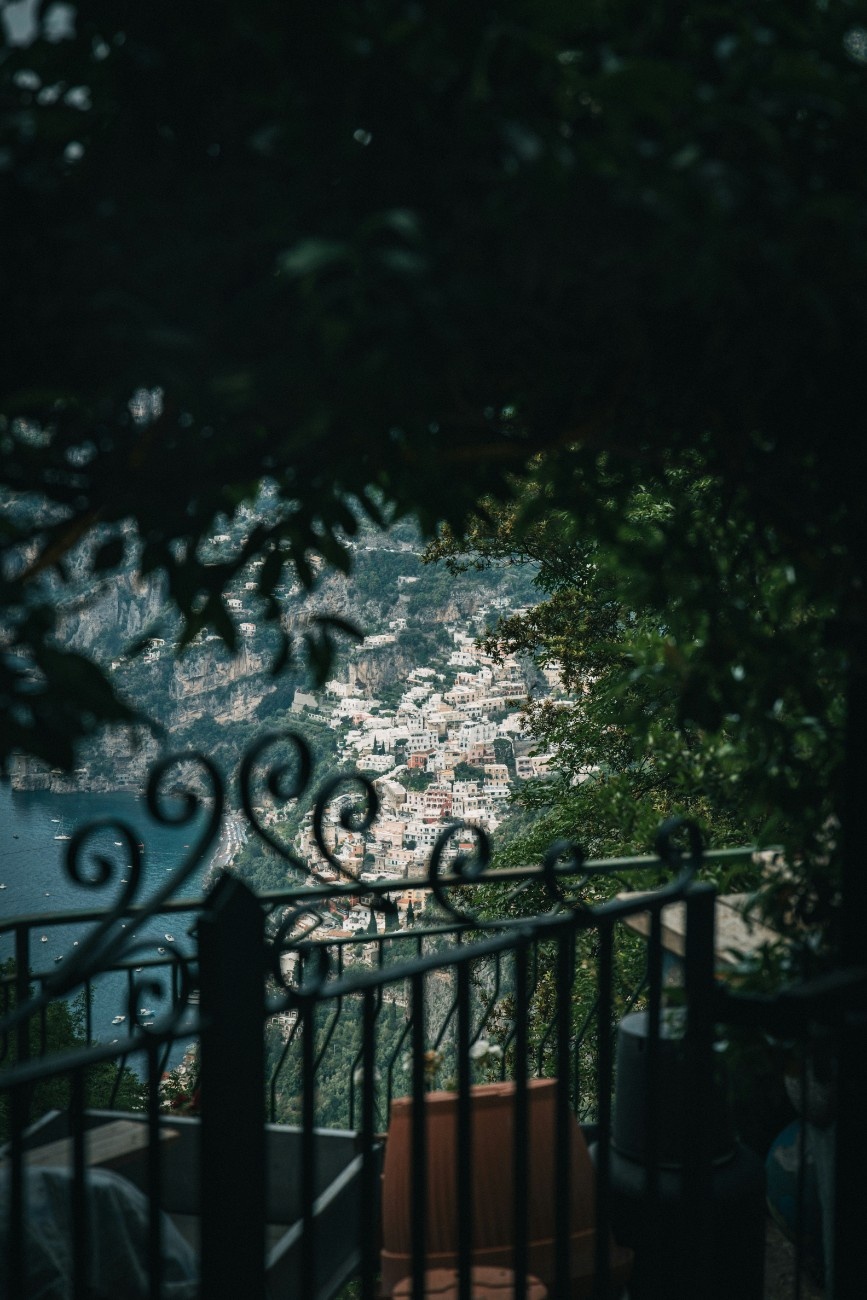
492,1188
485,1284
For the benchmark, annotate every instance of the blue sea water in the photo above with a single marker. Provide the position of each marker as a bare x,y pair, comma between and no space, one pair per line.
37,884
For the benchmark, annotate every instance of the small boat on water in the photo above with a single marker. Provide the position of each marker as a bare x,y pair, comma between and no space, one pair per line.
160,949
170,938
145,1011
118,1020
118,844
57,959
44,939
3,886
62,834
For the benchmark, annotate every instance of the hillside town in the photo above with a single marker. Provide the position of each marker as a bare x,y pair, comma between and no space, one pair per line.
417,707
448,755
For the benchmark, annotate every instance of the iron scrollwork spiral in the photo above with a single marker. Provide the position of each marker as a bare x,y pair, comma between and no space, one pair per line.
564,858
182,786
284,781
670,848
89,863
468,867
351,818
191,802
153,988
316,959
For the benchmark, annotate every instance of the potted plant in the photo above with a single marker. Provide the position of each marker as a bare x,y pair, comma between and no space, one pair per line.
492,1185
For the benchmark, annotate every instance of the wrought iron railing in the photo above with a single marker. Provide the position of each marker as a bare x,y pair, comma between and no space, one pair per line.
496,968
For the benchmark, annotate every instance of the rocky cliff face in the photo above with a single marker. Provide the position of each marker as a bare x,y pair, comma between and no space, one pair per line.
390,592
210,670
370,670
114,616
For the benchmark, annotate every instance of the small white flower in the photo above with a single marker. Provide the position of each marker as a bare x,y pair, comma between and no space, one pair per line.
484,1050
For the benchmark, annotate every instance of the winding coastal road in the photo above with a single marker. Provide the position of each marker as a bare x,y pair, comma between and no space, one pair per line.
233,837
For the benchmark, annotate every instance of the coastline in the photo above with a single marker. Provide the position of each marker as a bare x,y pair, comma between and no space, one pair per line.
233,835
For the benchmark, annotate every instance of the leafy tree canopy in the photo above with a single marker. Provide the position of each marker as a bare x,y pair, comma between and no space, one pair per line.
728,711
388,259
63,1030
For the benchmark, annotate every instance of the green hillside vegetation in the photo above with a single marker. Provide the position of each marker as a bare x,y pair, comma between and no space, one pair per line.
157,689
340,1058
63,1029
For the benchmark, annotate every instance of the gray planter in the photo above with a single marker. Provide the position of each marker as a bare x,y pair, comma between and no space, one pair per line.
336,1216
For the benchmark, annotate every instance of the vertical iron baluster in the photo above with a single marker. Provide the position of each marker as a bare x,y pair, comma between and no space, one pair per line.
272,1098
848,1208
464,1169
521,1124
22,992
652,1099
78,1189
563,1145
231,962
699,975
307,1013
369,1197
43,1028
604,1072
278,1068
17,1259
88,1011
130,995
155,1243
418,1194
844,1272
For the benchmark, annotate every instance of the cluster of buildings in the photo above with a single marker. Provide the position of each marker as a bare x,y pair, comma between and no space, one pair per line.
444,760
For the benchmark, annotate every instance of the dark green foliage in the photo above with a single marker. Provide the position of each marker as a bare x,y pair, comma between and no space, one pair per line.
644,237
416,779
105,1084
422,639
505,753
339,1041
262,869
377,571
728,709
469,772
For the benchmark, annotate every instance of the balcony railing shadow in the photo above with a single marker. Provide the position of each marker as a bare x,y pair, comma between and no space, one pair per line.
370,1111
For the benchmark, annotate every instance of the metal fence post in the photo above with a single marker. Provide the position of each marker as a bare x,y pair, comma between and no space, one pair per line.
844,1270
231,965
699,1080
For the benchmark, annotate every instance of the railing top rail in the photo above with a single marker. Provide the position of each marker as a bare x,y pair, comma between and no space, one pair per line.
327,891
21,1074
75,916
516,932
